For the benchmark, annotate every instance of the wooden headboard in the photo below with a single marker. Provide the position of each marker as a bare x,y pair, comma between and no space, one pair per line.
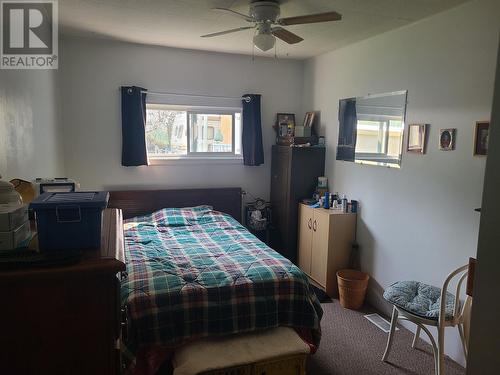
142,202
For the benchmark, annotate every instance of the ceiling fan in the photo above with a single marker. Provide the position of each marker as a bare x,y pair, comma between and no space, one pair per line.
265,18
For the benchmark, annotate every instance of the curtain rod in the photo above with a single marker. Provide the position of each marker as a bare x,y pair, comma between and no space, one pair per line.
245,98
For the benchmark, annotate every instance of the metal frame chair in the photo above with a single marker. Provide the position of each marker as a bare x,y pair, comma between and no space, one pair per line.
460,314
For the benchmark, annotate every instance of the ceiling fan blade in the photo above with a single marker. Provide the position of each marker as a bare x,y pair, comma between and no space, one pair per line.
311,18
227,31
234,13
286,35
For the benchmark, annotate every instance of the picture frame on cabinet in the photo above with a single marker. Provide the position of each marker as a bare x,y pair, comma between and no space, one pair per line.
286,121
309,119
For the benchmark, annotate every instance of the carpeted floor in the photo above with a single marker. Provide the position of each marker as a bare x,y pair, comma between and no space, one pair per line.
352,345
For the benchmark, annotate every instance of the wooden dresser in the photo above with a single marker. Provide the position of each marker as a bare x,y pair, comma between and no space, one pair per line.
325,241
65,319
294,176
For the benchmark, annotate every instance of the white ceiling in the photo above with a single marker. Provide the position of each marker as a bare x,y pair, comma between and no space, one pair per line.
179,23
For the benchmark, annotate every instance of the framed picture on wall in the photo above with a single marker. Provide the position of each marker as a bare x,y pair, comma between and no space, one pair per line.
417,134
481,136
447,139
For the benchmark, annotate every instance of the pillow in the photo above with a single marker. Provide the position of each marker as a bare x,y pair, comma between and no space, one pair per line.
175,217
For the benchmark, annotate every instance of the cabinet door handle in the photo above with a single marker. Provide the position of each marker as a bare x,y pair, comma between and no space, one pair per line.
309,223
315,225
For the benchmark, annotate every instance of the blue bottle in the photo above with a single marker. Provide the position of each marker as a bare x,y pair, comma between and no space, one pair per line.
326,201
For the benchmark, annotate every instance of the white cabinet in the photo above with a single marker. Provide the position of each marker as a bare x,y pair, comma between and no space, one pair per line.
325,241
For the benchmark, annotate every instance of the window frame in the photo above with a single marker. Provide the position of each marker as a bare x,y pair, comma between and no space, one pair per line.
194,156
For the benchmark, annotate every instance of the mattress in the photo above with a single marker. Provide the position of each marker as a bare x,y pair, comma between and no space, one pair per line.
195,272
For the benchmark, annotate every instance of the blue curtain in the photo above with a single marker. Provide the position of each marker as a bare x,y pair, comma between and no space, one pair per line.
347,130
134,126
253,151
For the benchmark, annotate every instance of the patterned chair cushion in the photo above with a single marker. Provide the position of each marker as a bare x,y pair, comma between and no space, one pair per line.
419,299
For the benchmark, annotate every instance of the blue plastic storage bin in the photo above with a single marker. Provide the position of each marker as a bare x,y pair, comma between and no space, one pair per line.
69,220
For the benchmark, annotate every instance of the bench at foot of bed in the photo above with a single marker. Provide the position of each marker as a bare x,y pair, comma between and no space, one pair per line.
278,351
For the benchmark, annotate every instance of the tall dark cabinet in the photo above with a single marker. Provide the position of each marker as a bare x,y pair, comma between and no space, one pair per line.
294,175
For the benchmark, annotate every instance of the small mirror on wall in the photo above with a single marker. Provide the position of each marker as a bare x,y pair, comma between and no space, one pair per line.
371,129
417,138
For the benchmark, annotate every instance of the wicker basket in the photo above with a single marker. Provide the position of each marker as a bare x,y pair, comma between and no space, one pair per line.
352,288
290,365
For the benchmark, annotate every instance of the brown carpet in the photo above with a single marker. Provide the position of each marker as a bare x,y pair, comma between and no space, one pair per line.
351,344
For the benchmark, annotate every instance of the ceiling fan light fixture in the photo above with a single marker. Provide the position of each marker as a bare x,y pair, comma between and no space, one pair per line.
264,42
265,17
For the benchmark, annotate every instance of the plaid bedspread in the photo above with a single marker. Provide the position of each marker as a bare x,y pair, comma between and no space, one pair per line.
195,272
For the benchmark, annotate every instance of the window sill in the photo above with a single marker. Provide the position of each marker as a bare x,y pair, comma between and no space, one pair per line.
196,160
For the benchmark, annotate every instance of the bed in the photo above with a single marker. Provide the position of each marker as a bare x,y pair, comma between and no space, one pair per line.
193,271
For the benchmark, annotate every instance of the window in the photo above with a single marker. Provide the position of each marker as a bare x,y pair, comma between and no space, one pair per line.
191,132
